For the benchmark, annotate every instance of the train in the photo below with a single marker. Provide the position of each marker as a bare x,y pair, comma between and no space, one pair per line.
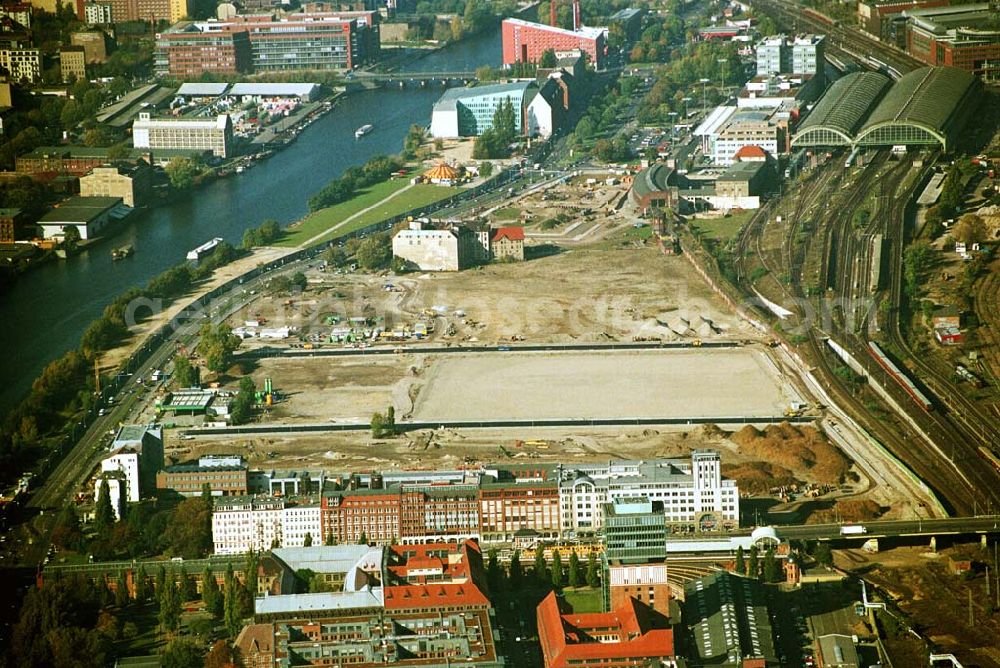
821,17
901,378
875,277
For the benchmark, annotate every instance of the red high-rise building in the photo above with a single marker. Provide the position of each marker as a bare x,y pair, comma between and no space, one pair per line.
525,42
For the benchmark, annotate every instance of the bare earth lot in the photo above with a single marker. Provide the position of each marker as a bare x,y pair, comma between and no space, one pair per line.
581,295
672,383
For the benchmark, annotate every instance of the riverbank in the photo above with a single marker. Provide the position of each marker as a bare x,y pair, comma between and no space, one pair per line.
52,305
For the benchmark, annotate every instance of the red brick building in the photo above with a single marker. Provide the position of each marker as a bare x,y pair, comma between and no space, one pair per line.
188,479
190,53
525,42
397,515
631,635
509,508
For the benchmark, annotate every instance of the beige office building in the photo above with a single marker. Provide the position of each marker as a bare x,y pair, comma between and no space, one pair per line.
206,134
73,63
132,183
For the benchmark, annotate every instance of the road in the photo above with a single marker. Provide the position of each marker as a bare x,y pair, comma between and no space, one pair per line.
892,528
504,424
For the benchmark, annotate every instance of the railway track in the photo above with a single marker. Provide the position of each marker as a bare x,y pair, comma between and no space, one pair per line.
961,426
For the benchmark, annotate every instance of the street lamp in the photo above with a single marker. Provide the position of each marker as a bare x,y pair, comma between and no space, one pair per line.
723,61
685,100
704,103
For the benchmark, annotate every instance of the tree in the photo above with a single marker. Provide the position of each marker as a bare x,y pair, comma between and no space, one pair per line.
772,571
970,229
222,655
141,583
71,237
217,345
754,564
505,122
573,574
377,425
186,588
375,252
741,562
104,514
182,653
486,169
250,569
184,373
230,608
390,420
363,538
122,597
182,172
335,256
516,571
189,533
210,593
548,59
541,569
593,577
170,606
822,554
557,570
494,574
307,541
299,280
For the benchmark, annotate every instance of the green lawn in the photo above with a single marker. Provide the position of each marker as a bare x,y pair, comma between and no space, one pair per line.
507,213
584,599
324,219
722,229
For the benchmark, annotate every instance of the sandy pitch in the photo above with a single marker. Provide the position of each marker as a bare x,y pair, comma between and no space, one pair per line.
673,383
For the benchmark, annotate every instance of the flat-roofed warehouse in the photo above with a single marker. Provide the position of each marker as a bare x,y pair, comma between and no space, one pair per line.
837,117
926,106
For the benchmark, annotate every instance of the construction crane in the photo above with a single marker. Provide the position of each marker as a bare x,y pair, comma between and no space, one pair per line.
576,14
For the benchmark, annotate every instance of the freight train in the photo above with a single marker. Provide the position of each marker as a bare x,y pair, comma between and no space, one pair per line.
901,378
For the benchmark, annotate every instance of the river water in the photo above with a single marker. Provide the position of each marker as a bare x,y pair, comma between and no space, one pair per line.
44,314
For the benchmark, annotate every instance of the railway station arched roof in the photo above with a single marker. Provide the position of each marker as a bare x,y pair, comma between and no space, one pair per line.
839,114
926,106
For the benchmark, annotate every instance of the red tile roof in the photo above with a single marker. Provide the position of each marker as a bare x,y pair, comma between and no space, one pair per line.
564,638
512,233
751,152
403,597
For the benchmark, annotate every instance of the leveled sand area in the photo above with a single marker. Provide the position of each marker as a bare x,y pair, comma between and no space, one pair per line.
662,383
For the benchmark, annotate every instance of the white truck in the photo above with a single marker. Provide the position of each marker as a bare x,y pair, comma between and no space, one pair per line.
853,530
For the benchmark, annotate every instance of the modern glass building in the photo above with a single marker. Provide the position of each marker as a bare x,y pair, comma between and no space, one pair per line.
635,530
468,112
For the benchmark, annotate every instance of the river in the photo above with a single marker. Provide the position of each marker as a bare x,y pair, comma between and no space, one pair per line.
44,314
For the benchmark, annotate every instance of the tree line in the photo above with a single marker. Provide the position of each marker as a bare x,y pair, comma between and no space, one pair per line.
353,179
76,621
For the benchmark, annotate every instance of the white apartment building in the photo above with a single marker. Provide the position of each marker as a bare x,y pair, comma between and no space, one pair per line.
689,491
803,54
205,134
22,64
243,524
127,462
97,13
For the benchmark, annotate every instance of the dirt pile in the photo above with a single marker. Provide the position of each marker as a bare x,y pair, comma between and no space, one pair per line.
794,449
758,477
